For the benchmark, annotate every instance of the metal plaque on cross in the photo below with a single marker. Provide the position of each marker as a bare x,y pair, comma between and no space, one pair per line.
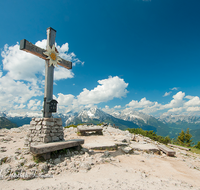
50,55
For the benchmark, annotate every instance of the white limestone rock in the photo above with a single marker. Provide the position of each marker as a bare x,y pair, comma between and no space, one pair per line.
85,166
44,168
127,150
106,153
15,130
5,170
57,161
30,164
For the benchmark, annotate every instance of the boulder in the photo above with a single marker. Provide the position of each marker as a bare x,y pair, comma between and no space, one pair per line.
57,161
30,164
106,153
5,170
85,166
127,150
44,168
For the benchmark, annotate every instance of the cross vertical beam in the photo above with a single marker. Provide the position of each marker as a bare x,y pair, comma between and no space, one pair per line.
49,72
50,105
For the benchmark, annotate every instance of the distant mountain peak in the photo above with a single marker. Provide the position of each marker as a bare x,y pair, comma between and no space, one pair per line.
131,115
179,118
88,114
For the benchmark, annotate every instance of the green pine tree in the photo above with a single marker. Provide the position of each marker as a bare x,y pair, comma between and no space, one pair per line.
188,137
181,137
198,145
167,140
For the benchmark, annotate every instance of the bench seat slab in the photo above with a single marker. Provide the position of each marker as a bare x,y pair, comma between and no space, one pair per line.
166,150
53,146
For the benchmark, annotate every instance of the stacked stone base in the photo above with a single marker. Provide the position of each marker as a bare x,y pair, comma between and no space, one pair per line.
44,130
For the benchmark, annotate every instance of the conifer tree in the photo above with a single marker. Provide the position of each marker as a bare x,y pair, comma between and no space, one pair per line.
198,145
181,137
188,137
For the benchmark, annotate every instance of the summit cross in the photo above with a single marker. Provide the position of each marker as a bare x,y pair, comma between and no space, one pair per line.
50,55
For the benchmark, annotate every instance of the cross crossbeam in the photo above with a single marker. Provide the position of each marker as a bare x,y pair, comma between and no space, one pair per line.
27,46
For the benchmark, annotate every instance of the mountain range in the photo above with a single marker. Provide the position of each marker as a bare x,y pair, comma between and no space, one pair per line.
5,123
165,125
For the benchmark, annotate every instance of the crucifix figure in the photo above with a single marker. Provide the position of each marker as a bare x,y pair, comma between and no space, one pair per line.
50,55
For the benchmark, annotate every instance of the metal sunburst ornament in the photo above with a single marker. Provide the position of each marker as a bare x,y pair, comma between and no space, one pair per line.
52,56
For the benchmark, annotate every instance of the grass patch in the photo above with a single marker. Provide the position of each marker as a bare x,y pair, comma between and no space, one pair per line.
78,133
100,124
72,125
37,159
107,148
151,134
195,150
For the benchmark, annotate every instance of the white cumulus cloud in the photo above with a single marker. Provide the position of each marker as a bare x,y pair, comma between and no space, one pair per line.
117,107
194,101
62,73
21,65
167,93
193,109
175,88
180,104
24,76
140,104
16,92
177,110
34,104
65,99
113,87
108,110
177,100
64,47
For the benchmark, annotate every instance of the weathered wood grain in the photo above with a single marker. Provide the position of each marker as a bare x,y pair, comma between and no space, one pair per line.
27,46
183,148
90,129
49,70
53,146
166,150
83,130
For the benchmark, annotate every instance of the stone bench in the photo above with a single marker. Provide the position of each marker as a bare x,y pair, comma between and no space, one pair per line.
166,150
45,149
83,129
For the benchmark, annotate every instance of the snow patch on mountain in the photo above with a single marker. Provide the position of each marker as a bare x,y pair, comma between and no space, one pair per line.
179,118
90,114
87,114
130,116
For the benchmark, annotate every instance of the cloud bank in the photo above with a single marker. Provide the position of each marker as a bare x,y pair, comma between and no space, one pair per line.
22,84
22,76
180,104
108,89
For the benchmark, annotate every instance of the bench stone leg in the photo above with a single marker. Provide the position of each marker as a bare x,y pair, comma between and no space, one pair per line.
99,132
78,148
83,133
46,156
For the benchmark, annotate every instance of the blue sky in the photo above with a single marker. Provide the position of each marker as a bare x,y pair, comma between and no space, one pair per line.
135,55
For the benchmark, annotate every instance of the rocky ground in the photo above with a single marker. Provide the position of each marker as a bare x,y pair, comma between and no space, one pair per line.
136,164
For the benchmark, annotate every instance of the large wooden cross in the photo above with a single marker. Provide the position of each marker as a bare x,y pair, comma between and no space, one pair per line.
49,103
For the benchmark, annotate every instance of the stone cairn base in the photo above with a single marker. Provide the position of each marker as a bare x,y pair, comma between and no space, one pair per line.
44,130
